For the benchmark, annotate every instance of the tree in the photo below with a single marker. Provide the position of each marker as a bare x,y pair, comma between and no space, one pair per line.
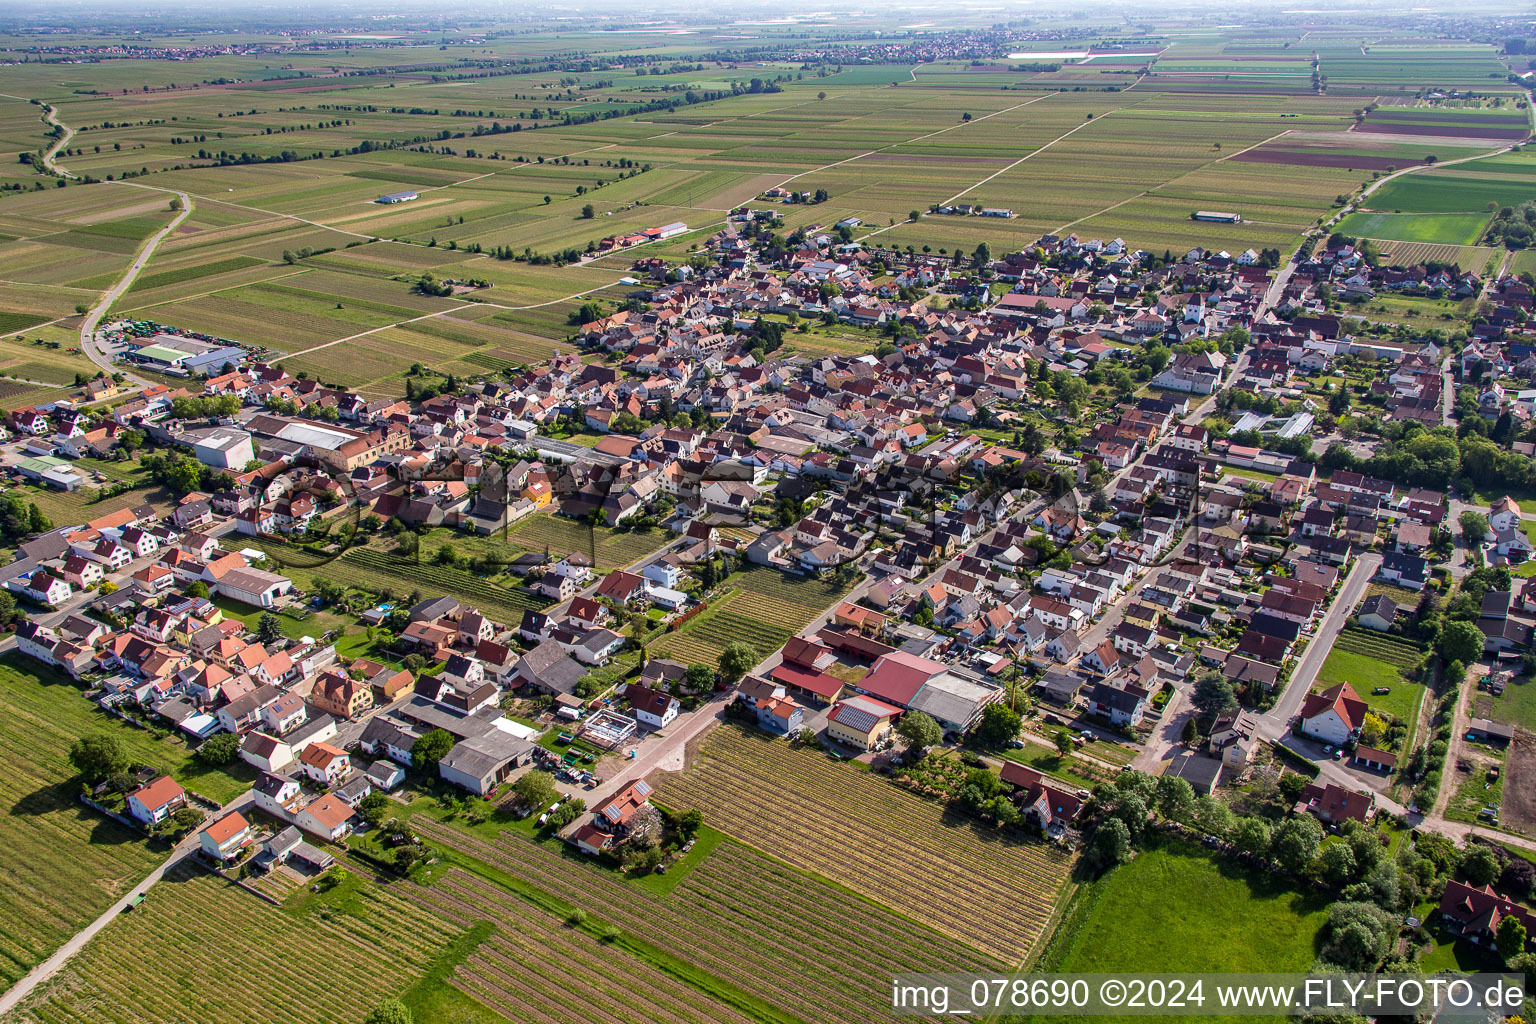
1474,526
1251,836
699,678
1518,879
183,819
1360,935
98,756
920,730
1460,641
1175,798
373,808
430,748
390,1011
1064,744
535,789
1338,863
999,724
197,588
737,660
588,212
1480,866
219,750
1213,817
1373,730
586,313
1112,843
1511,937
1213,694
269,629
1189,733
329,591
1296,843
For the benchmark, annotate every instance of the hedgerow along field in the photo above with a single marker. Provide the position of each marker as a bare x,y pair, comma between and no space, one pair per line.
892,846
746,935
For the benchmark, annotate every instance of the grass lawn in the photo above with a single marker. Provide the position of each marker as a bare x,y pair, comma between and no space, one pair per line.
1518,705
1449,228
1521,495
1154,914
1050,762
1364,673
59,706
317,623
1249,474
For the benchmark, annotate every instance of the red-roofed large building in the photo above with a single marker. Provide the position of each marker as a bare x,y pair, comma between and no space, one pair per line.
1475,914
155,801
1334,805
225,838
809,682
615,813
1334,715
897,677
1048,803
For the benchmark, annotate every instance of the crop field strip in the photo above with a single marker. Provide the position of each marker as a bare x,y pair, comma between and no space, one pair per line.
767,918
373,569
563,536
237,958
1381,646
518,972
64,864
825,817
763,606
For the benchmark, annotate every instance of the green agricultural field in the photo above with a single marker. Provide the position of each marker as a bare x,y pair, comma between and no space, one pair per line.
760,606
66,863
1450,191
744,779
1117,924
1360,659
1442,228
48,697
561,536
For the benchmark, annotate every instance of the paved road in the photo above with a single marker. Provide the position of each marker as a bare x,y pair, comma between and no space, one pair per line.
48,968
89,342
1276,721
666,753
